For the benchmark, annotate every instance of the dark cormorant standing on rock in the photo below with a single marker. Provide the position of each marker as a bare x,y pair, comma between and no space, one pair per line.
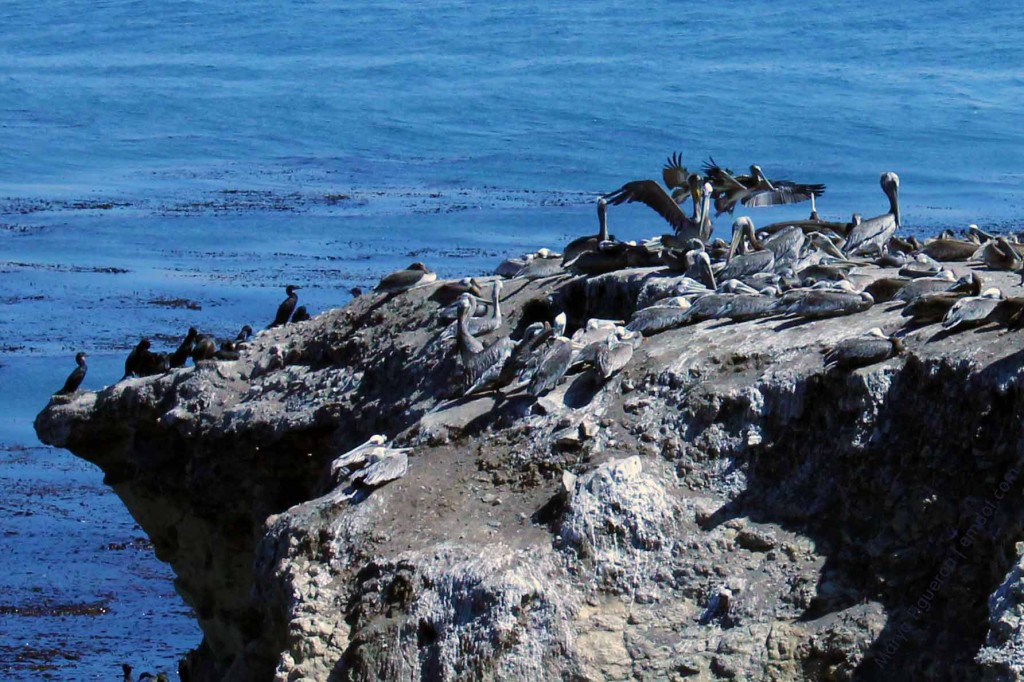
301,314
77,375
284,311
180,356
204,348
142,362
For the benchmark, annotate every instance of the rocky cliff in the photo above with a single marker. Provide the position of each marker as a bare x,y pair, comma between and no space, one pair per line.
723,508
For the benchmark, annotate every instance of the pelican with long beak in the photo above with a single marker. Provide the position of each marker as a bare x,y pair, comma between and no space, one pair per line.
654,195
871,235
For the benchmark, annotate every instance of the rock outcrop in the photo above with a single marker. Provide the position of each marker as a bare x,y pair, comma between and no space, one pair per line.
723,508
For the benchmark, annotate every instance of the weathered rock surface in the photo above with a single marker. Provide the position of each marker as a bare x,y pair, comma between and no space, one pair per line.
723,508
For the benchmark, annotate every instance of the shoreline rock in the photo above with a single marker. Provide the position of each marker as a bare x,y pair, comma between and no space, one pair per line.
724,507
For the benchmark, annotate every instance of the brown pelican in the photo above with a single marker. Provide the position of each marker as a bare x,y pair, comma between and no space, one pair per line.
553,361
864,350
449,292
933,306
479,362
755,189
949,249
972,311
490,320
885,289
74,379
923,285
581,245
658,318
403,280
371,464
748,307
998,255
821,303
761,259
653,195
284,311
921,266
611,355
871,235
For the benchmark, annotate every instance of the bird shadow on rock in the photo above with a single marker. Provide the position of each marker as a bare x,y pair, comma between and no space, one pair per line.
794,323
582,390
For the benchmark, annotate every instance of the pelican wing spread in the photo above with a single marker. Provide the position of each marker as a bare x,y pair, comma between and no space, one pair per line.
652,194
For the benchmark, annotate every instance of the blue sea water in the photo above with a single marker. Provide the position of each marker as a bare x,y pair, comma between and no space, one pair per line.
214,152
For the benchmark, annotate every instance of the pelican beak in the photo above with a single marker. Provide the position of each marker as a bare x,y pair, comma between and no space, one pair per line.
707,275
896,205
737,237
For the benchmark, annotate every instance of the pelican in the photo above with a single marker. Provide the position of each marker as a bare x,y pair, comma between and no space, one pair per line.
999,254
922,266
822,303
657,318
581,245
371,464
653,195
762,259
403,280
611,355
749,307
972,311
480,362
488,322
885,289
933,306
448,293
863,350
553,362
924,285
873,234
949,249
755,189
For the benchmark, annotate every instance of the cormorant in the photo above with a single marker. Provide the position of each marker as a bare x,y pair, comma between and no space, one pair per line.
300,314
74,379
179,356
284,311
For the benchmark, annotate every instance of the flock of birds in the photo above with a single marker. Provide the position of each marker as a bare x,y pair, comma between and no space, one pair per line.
808,269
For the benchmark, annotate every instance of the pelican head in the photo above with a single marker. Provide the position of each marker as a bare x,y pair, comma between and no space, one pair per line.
466,303
758,174
560,321
877,331
891,186
378,439
743,226
993,292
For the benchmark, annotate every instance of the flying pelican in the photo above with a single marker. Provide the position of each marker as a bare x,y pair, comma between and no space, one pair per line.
873,234
653,195
756,189
863,350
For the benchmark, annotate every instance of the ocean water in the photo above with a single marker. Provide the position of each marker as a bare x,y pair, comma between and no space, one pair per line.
154,155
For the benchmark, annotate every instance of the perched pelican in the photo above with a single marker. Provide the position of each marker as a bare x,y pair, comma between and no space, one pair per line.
77,375
554,361
749,307
949,249
449,292
403,280
999,254
821,303
284,311
864,350
611,355
933,306
489,322
972,311
924,285
871,235
479,362
922,266
371,464
582,245
761,259
885,289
